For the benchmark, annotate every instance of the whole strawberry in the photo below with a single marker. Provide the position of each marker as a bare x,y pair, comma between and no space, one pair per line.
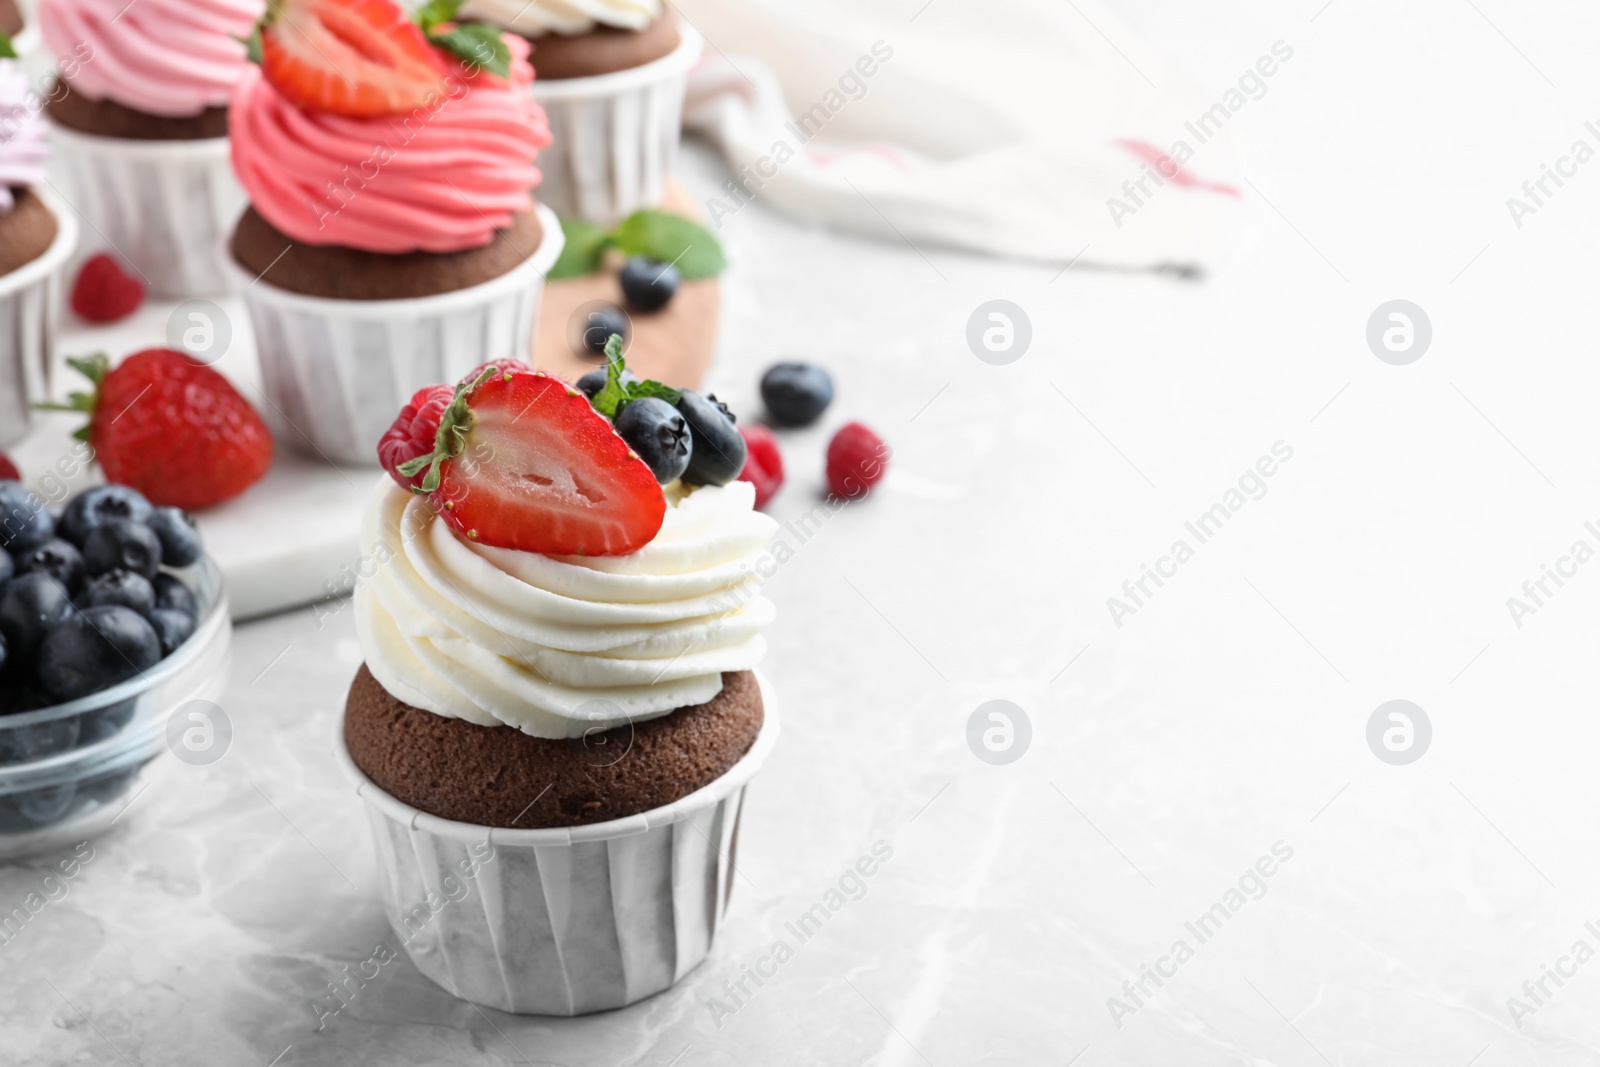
172,428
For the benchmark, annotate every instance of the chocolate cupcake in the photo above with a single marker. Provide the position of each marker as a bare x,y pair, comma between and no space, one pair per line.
577,729
141,128
392,238
612,75
499,776
36,239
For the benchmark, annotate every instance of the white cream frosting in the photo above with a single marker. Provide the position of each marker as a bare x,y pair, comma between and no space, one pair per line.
559,646
535,18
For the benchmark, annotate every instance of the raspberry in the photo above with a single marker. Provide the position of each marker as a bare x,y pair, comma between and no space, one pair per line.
413,432
857,460
104,292
764,466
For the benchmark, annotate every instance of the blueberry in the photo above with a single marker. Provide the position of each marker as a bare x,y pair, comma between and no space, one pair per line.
23,694
172,627
8,566
647,284
717,453
122,543
100,504
591,383
107,787
95,649
40,806
796,394
180,540
24,744
600,324
120,588
24,520
57,558
3,656
173,595
654,429
106,722
30,606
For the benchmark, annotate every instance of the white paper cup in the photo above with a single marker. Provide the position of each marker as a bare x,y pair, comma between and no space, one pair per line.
30,323
337,372
614,137
562,921
163,206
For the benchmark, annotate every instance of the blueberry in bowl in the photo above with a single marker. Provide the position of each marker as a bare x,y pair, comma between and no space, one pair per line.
96,649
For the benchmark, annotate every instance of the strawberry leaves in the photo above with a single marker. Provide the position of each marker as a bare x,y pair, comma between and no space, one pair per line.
658,235
617,394
451,438
95,368
7,49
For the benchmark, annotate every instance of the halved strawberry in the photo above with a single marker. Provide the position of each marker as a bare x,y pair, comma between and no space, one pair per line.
523,461
349,57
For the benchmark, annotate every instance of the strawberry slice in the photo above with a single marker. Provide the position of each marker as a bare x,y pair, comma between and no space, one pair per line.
522,460
349,57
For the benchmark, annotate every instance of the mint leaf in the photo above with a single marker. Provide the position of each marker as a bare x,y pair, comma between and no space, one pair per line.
434,12
640,390
7,51
612,395
478,46
671,239
586,244
617,394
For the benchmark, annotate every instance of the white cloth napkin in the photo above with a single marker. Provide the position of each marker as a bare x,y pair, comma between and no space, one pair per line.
1003,127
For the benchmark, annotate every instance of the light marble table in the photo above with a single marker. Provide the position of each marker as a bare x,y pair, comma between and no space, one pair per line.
1225,718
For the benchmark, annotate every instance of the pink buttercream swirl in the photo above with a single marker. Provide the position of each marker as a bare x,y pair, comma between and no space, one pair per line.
443,178
163,57
23,149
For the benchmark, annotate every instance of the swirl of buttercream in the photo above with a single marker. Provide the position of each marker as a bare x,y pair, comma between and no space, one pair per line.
163,57
561,646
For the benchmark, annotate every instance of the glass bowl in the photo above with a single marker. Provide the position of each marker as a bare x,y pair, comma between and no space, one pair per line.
67,771
31,736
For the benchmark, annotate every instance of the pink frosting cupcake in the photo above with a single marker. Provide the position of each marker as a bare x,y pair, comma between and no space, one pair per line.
392,238
149,61
140,111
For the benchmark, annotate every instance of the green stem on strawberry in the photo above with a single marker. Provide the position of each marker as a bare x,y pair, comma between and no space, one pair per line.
451,438
95,368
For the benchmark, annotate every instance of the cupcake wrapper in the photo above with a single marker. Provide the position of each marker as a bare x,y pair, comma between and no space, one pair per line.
562,921
164,206
30,323
614,137
337,372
